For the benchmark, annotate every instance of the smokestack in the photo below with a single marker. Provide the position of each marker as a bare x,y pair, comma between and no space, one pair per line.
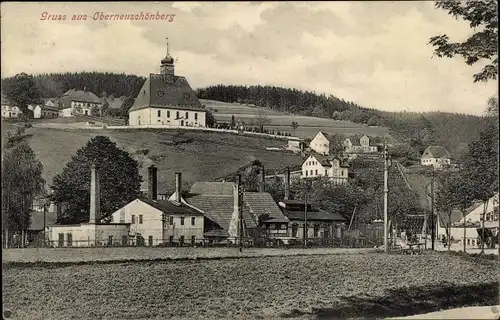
287,184
153,182
262,182
95,196
178,184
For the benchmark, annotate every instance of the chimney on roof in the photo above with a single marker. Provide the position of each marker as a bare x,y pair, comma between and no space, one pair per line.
153,182
287,184
178,184
262,182
95,197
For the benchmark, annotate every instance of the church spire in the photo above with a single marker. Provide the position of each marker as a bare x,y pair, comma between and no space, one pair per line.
167,63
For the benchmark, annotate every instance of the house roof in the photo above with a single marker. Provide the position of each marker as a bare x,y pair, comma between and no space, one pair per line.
435,152
82,96
456,215
166,91
37,219
318,215
262,203
171,207
216,200
49,108
325,160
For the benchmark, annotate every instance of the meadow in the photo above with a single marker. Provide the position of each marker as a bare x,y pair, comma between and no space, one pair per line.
301,287
308,126
209,156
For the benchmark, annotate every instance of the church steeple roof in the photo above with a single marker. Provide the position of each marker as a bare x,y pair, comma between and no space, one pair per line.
168,59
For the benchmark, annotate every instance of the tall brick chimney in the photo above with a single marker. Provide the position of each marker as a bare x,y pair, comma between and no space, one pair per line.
287,184
178,185
234,224
95,196
153,182
262,182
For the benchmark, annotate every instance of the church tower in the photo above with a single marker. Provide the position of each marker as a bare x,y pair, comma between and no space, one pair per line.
167,64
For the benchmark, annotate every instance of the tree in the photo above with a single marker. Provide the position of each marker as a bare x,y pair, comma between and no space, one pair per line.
209,118
119,180
126,105
319,112
261,119
295,125
22,181
482,45
336,144
233,122
22,92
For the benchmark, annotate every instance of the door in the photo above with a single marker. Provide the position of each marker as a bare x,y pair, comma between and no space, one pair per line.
124,240
182,123
150,241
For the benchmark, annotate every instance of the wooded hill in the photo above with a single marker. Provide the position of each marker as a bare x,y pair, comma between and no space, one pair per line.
451,130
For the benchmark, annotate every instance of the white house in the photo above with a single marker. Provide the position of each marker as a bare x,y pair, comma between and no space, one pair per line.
435,156
44,111
335,168
79,102
473,221
352,150
320,143
167,99
9,110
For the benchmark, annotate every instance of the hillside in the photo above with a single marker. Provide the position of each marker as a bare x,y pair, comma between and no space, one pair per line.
211,155
281,121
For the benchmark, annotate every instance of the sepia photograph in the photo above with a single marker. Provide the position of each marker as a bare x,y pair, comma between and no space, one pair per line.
250,160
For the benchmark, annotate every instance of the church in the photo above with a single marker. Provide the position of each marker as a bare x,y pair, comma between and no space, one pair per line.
167,99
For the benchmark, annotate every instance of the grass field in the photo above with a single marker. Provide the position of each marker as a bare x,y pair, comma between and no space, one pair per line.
306,287
308,126
211,155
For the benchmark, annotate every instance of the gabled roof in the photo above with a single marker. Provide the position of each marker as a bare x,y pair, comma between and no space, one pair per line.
456,215
82,96
170,207
435,152
262,203
325,160
166,91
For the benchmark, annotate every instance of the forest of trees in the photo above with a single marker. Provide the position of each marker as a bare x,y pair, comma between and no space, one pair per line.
101,83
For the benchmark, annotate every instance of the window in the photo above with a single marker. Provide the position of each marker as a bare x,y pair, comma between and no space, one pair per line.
316,230
61,240
311,172
468,241
177,115
171,220
193,221
295,229
133,219
110,240
182,221
159,113
168,114
187,115
181,240
307,172
70,239
195,116
140,219
473,242
193,239
316,172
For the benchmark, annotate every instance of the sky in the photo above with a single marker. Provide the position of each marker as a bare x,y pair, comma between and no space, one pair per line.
375,54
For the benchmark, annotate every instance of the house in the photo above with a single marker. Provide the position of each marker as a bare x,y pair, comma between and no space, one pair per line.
435,156
154,222
79,102
51,102
295,145
40,221
472,221
92,233
44,111
167,99
353,149
9,110
320,143
320,224
333,167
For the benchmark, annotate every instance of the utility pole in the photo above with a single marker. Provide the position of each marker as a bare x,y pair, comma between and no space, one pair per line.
305,221
432,212
240,211
44,225
386,191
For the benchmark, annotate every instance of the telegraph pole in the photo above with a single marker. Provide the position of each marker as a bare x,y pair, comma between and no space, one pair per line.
240,211
386,191
305,221
432,212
